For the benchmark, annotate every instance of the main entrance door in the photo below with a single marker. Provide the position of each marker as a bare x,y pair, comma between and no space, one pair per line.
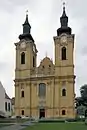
41,113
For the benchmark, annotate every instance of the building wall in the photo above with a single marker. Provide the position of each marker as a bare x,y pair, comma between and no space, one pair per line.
2,102
2,97
54,103
57,76
8,111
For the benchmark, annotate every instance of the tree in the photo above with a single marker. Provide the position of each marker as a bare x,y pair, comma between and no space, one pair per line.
81,110
83,99
81,102
83,91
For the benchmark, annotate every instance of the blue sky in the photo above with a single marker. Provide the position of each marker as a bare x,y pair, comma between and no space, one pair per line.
44,17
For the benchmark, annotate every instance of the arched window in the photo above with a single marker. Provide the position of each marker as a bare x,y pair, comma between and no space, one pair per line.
63,53
22,58
22,93
63,112
42,90
64,92
22,112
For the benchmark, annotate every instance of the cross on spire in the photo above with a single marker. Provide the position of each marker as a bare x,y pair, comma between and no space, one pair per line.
46,53
63,6
26,12
64,12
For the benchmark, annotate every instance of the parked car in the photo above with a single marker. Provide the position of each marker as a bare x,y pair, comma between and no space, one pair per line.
13,117
24,117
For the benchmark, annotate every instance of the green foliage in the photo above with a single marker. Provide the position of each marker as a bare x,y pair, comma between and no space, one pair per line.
81,110
83,91
81,102
85,121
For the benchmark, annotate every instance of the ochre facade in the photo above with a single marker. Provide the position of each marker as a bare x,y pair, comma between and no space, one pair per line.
46,90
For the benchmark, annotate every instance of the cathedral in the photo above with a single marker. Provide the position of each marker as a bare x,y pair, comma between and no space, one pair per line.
46,90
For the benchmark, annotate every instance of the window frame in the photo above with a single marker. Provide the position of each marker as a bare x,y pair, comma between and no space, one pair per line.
42,91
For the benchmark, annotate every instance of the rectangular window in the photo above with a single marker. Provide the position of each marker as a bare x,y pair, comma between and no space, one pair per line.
8,106
5,106
33,61
63,51
22,58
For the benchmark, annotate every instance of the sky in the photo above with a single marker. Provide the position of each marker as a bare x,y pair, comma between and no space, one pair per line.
44,17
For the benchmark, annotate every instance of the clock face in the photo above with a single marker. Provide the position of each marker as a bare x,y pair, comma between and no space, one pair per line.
63,39
23,45
34,48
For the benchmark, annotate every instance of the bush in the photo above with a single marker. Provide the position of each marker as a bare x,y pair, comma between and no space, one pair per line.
80,119
71,120
61,120
51,120
85,121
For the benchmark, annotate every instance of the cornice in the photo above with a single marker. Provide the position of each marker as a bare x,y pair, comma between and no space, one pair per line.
45,78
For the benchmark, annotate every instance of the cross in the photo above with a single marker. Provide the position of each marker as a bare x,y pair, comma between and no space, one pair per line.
26,12
63,4
46,53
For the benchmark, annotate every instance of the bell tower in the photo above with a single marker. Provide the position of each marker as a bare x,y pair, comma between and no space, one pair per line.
26,59
64,48
64,65
26,52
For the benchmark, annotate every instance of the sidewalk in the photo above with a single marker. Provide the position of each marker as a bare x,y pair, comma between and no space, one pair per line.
17,126
13,127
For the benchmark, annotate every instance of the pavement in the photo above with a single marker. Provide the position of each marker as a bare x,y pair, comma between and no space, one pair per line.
17,126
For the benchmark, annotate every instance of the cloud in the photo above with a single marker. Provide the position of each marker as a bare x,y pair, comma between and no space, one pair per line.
44,17
84,50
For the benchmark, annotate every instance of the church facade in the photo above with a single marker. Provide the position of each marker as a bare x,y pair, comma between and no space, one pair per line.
46,90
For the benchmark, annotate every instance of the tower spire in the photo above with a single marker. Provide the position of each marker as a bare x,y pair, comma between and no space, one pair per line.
64,18
64,23
26,29
26,20
26,25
